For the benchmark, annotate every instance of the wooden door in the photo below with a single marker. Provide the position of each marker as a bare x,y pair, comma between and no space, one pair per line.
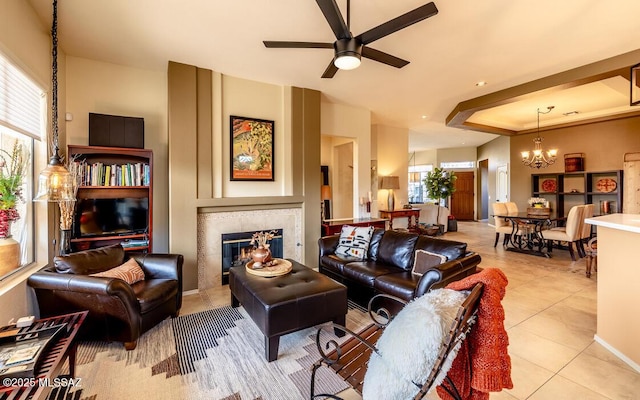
463,198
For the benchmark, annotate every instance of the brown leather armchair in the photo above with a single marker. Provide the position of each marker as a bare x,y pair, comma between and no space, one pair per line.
117,311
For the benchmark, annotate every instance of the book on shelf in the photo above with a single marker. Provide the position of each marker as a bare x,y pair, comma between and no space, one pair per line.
100,174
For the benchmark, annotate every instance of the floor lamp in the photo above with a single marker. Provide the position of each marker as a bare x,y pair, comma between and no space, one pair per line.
325,194
390,183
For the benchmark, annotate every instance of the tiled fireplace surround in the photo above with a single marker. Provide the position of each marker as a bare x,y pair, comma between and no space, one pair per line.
213,224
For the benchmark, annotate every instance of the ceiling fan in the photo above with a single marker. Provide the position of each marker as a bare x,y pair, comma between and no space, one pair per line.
349,49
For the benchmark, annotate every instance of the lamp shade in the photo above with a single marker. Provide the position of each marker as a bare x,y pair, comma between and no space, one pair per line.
325,192
390,182
55,183
414,177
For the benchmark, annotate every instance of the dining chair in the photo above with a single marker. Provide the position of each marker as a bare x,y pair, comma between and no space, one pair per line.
569,233
585,228
512,208
502,225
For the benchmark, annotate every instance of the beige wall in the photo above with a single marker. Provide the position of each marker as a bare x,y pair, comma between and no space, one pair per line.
498,153
392,144
98,87
27,44
457,154
604,145
346,123
200,102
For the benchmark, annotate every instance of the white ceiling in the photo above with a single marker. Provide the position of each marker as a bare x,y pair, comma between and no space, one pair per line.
502,42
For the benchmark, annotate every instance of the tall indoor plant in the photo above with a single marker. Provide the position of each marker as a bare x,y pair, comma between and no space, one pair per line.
13,166
440,185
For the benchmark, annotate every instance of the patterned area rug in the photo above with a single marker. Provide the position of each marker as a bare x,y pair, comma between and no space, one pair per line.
214,354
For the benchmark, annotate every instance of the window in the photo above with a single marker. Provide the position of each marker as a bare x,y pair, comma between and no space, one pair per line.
22,116
417,190
458,165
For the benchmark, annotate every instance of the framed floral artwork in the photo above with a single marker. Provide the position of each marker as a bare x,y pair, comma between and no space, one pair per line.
251,149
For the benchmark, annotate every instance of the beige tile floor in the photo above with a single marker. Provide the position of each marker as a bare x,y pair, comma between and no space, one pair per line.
550,311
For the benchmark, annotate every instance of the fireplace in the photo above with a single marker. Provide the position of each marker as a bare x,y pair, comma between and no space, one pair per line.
236,249
213,224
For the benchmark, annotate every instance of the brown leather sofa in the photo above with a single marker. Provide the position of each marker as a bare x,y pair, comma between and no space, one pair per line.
117,311
390,258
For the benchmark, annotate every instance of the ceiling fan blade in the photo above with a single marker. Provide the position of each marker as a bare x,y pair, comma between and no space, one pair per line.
398,23
333,16
380,56
330,71
274,44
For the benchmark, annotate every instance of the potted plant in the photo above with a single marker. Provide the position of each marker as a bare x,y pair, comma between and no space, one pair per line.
440,184
12,169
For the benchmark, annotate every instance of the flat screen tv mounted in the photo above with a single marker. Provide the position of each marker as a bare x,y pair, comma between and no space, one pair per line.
116,131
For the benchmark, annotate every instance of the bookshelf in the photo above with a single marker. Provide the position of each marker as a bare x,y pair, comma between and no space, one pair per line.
113,173
565,190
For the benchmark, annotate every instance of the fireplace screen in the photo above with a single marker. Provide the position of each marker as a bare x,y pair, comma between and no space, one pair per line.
237,247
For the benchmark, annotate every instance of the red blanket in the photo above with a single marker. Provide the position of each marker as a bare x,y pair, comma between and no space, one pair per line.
486,345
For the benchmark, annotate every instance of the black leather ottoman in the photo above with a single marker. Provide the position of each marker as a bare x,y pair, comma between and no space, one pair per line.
288,303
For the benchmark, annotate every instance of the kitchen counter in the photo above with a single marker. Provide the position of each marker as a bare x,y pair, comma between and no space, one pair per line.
618,325
623,222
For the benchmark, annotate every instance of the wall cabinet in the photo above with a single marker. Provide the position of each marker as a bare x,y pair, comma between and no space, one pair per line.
565,190
115,197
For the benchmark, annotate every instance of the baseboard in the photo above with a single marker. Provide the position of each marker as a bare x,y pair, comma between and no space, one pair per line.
617,353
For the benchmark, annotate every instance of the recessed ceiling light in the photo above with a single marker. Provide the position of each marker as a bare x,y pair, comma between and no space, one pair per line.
481,83
571,113
424,117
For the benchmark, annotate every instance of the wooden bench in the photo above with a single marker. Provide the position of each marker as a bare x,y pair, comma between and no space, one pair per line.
350,359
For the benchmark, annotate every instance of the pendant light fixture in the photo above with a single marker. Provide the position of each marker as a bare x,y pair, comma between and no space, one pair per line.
55,183
539,158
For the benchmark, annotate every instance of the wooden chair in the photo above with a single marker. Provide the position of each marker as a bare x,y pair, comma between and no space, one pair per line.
350,359
592,255
585,228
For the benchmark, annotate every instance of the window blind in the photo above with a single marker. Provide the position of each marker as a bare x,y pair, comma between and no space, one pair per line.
22,101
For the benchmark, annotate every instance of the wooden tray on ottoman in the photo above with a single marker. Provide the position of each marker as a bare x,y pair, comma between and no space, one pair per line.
281,267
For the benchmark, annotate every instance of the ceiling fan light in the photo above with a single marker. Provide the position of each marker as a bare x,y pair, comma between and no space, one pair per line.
347,61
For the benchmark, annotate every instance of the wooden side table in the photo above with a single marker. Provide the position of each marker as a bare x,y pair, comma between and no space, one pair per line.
334,227
52,360
404,213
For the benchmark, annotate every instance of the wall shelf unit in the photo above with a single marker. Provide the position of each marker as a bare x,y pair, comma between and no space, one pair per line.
115,173
565,190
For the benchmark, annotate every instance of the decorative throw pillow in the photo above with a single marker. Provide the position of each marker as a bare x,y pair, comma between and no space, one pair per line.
409,346
425,260
354,242
129,272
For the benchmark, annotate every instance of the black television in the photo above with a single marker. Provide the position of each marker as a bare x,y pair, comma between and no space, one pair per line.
108,217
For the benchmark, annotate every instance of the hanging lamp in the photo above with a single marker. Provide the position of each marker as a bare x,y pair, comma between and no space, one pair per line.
55,183
539,158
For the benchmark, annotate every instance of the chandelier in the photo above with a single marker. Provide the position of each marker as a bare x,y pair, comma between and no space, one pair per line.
539,158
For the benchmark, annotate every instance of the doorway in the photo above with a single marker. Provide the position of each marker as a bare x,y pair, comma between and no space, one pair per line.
343,180
483,186
462,200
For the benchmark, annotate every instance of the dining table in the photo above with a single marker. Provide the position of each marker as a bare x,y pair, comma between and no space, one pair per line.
527,233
